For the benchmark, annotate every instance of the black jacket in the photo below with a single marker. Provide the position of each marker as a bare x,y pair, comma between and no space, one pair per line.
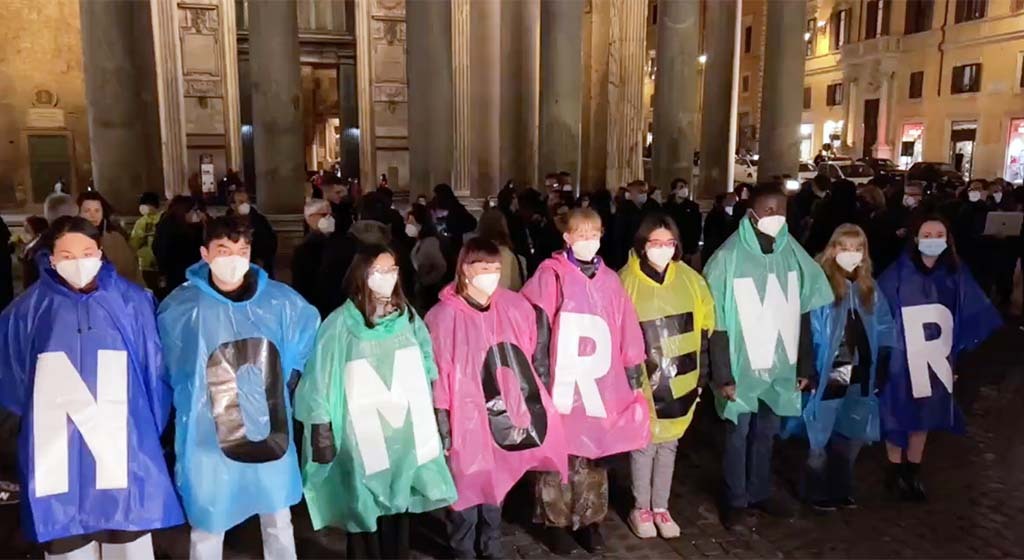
306,262
718,226
6,273
264,240
686,214
176,247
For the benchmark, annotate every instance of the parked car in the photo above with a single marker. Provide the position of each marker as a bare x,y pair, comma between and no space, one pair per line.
846,169
806,172
931,173
883,167
745,169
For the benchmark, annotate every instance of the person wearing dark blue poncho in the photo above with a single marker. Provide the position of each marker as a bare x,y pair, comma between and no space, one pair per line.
81,364
940,313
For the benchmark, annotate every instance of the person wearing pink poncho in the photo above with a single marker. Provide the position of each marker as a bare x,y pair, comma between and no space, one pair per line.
496,418
597,354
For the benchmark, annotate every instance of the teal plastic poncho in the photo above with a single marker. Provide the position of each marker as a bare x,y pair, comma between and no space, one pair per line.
759,299
373,386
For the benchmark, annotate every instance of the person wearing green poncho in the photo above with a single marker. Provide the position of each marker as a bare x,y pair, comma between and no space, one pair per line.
372,454
764,286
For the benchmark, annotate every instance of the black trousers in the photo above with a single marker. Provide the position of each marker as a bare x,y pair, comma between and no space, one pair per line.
390,540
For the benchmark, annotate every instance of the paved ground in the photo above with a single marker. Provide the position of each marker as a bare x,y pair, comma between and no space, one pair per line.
976,488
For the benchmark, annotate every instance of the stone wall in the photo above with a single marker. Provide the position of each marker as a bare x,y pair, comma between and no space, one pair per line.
40,49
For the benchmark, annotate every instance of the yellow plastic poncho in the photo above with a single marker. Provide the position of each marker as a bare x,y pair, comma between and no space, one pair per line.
672,315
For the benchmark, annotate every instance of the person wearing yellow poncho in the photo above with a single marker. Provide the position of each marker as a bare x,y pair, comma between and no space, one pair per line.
676,315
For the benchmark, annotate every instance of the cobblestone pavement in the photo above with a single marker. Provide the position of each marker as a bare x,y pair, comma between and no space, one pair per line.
975,507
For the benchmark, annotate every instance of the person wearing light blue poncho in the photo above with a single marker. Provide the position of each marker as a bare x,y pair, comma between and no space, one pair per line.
233,339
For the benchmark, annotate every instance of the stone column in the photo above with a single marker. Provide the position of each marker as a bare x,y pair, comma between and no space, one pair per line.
626,54
120,82
348,118
364,81
429,69
561,82
276,105
717,122
849,128
232,98
779,144
519,90
486,61
675,91
882,147
170,92
461,158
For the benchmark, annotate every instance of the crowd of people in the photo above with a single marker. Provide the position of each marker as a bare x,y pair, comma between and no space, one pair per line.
428,360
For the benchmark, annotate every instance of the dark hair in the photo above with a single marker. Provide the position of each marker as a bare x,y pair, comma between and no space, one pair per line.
640,183
357,287
150,198
234,228
505,198
372,206
106,224
476,250
37,224
948,257
177,208
653,221
764,190
71,224
422,215
676,182
822,181
494,228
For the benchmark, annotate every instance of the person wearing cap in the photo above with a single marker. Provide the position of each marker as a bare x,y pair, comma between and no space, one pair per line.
308,255
142,238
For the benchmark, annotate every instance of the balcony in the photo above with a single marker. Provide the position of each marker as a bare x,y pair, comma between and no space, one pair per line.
871,49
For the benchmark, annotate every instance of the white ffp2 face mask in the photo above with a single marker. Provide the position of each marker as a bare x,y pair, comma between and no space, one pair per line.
486,283
230,269
412,230
79,272
586,250
326,225
849,260
661,256
243,209
382,284
771,225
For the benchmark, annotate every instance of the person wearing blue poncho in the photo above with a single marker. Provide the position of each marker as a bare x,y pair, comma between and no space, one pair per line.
852,346
940,313
233,339
80,363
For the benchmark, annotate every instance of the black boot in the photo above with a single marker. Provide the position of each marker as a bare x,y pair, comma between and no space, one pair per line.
895,480
590,538
559,541
915,488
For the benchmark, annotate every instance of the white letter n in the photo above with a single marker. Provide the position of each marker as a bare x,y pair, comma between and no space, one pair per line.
60,394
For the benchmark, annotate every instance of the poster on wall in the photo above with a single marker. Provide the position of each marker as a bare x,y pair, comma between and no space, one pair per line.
206,173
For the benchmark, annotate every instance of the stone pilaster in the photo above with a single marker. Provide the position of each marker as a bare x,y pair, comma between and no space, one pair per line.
170,93
676,84
779,146
461,85
364,79
626,56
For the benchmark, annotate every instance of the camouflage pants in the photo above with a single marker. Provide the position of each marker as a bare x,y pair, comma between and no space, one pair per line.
581,502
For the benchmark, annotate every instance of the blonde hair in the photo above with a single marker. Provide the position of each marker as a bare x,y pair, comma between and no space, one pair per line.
580,217
861,275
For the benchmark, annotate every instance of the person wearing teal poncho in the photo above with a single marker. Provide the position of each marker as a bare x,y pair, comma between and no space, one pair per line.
371,449
764,286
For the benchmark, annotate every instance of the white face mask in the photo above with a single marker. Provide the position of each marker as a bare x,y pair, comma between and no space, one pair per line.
26,237
728,210
193,217
641,198
326,224
566,188
849,260
974,196
771,225
144,209
412,230
683,193
661,256
230,269
243,209
79,272
997,196
909,201
382,284
585,250
486,283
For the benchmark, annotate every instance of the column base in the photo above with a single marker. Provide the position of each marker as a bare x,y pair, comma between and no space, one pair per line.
883,151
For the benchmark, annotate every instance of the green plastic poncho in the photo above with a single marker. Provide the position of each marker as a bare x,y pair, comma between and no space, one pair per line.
758,301
673,315
374,388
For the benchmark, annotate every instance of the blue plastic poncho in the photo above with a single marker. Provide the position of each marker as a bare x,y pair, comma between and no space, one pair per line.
85,373
939,315
229,364
854,415
372,386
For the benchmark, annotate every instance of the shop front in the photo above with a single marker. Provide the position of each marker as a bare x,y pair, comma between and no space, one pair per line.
1014,170
911,144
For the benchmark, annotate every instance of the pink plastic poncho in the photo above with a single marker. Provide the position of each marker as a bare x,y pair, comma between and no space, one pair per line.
502,420
596,350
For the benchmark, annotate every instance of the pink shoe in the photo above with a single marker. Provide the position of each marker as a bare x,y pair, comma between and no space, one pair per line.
667,528
641,521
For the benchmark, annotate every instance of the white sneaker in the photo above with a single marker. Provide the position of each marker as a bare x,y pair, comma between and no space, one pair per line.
641,521
667,528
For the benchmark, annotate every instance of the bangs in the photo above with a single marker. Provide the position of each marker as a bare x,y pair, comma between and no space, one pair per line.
480,255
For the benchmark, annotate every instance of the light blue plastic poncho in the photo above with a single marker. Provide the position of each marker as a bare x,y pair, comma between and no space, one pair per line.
373,386
229,365
855,415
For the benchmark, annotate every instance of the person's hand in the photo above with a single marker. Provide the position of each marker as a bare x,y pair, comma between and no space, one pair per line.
728,392
802,384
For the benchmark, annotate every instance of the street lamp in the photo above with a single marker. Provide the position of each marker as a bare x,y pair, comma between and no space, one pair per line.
702,58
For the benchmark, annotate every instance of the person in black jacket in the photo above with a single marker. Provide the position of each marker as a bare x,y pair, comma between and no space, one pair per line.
840,207
309,254
264,240
630,213
686,214
176,242
341,204
720,223
452,219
